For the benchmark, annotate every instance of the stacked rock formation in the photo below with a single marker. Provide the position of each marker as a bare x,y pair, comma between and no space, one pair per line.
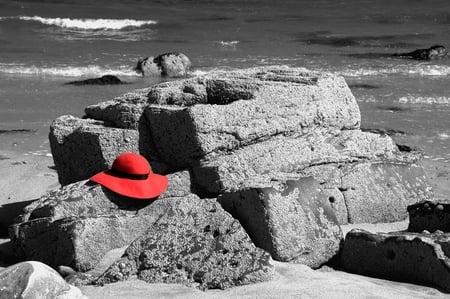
419,255
280,149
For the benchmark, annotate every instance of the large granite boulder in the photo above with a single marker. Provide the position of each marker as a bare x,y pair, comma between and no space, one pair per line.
193,243
366,177
169,64
35,280
429,216
225,111
402,256
75,225
292,219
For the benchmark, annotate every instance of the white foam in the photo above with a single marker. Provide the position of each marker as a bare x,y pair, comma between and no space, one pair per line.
443,136
232,43
66,71
90,24
404,69
424,100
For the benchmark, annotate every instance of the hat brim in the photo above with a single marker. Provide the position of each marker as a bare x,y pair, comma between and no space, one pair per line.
151,187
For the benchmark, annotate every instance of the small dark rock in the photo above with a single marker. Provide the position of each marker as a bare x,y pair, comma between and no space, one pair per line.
434,52
104,80
362,86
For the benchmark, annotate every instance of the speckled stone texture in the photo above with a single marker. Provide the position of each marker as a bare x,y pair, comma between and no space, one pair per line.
35,280
123,112
194,244
291,219
234,109
76,225
429,216
84,147
366,177
81,148
402,256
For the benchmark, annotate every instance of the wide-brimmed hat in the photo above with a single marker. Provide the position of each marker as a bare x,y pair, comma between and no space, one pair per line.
132,176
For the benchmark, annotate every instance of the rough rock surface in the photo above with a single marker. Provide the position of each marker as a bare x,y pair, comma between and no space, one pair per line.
168,64
194,244
402,256
35,280
430,216
75,142
77,224
240,108
291,219
84,147
365,176
122,112
228,127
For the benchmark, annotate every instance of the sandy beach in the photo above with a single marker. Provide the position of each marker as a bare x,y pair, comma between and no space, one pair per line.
30,176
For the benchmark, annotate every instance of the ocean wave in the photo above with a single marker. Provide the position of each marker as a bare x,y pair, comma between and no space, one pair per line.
86,24
424,100
66,71
231,43
408,70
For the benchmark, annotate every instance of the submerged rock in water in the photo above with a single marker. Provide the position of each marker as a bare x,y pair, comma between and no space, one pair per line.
193,243
402,256
104,80
169,64
35,280
434,52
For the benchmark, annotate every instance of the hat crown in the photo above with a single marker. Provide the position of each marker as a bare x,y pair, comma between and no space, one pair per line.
131,163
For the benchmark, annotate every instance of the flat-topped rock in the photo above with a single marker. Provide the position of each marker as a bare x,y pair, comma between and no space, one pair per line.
292,219
77,224
197,244
121,112
402,256
291,154
430,216
223,111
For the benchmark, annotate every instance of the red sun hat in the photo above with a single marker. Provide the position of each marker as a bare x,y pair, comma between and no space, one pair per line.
132,176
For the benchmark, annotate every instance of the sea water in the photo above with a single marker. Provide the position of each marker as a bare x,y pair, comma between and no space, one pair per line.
45,44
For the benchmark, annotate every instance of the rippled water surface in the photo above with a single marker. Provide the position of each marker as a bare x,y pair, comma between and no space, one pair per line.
44,44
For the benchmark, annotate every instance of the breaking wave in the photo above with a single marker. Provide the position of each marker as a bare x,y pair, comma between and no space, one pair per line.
86,24
407,70
66,71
